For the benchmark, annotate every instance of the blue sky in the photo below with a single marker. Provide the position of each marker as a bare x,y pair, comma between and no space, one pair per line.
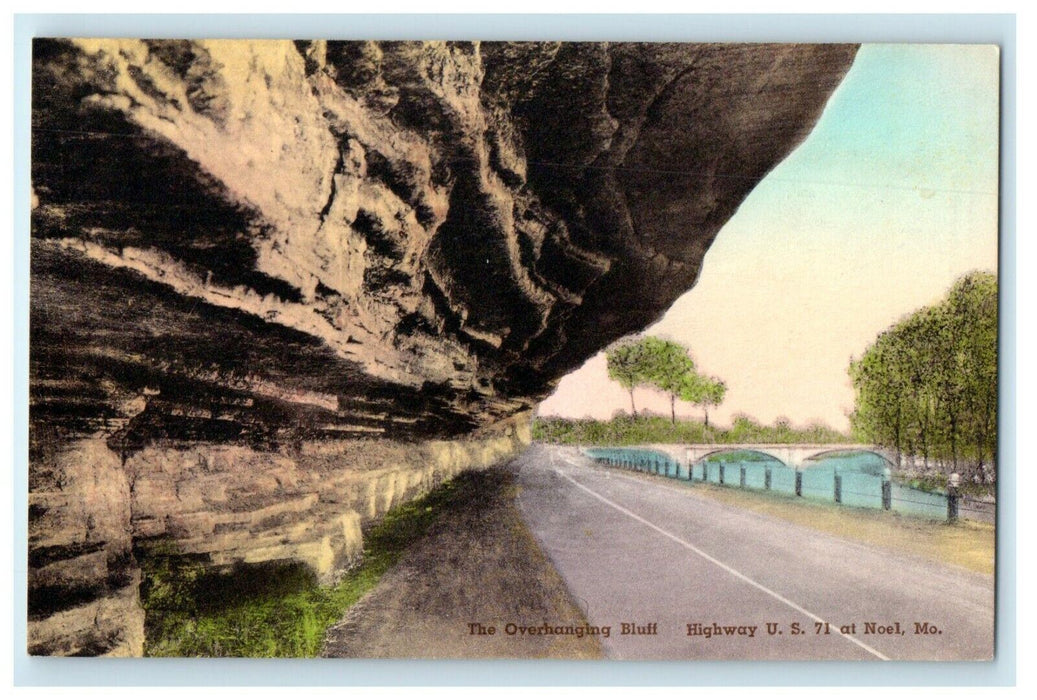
890,199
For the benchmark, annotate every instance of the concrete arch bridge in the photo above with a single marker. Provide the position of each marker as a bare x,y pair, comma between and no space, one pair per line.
793,456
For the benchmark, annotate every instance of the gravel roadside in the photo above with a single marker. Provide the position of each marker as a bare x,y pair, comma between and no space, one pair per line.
477,565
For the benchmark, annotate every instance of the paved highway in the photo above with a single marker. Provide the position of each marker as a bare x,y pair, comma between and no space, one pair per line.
692,578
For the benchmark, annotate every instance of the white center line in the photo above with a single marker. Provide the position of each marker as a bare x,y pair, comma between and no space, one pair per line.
717,562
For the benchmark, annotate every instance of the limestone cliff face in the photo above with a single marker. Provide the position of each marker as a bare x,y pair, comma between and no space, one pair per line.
245,250
91,514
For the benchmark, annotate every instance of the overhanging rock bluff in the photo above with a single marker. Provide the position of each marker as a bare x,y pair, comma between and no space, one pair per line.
279,287
259,242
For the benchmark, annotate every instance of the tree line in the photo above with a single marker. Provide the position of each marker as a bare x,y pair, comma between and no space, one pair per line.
667,366
623,430
927,386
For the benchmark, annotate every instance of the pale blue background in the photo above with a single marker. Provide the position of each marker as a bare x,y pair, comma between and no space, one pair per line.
997,29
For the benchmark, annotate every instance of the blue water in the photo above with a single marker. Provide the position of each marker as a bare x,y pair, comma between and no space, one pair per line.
919,503
861,473
783,479
862,490
713,472
755,475
642,460
819,483
856,462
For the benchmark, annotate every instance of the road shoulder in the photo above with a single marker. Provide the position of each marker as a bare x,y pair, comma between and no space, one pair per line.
479,565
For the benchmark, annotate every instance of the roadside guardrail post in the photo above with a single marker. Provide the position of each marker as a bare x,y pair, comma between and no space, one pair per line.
952,497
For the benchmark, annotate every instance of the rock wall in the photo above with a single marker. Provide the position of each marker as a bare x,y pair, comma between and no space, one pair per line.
273,282
220,504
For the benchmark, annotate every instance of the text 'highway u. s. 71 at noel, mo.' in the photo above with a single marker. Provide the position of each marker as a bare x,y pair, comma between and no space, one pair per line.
706,629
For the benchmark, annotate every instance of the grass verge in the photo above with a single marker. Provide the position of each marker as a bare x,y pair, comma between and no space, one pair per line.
272,610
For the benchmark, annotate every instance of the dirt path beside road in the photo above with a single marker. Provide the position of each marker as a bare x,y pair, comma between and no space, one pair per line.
478,564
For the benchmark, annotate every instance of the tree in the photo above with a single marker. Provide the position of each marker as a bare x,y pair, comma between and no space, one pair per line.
714,394
928,385
626,365
668,367
881,382
703,391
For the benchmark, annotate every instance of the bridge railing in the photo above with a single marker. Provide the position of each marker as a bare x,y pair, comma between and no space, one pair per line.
833,484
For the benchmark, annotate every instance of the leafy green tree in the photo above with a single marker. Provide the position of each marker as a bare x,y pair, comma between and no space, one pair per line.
668,367
927,386
703,391
626,365
713,395
881,383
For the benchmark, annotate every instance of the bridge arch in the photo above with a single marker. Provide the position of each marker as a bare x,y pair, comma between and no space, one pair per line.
735,449
794,456
836,452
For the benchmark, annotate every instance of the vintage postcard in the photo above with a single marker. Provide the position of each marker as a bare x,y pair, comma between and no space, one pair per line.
612,350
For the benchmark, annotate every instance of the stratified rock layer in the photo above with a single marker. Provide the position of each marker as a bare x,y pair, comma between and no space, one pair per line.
91,513
254,241
246,251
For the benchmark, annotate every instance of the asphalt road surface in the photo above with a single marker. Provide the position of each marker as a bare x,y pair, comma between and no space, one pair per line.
707,578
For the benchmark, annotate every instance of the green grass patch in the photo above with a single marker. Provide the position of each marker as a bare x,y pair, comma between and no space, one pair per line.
275,609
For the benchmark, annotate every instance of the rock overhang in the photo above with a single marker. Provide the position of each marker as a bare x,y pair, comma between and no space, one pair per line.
270,242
